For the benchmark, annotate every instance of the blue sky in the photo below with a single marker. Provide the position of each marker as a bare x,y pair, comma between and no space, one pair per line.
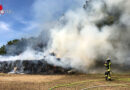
28,16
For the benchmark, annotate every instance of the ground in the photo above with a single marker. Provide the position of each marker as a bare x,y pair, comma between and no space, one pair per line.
64,82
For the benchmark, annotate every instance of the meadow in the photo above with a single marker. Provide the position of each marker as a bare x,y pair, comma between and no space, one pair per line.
64,82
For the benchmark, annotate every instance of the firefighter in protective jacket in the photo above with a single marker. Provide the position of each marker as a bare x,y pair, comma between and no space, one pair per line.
108,69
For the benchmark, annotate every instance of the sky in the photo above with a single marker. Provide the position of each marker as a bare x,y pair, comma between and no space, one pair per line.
28,17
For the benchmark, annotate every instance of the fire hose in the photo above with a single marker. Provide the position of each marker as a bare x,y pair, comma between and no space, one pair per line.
74,83
105,86
81,82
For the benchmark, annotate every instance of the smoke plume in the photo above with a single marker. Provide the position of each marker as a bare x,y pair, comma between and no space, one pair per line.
84,38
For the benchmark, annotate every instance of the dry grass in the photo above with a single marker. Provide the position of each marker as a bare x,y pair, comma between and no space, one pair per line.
63,82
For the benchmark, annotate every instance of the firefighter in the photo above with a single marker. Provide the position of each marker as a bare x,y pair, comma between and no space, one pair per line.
108,69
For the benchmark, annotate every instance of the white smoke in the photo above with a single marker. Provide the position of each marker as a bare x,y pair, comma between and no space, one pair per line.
29,54
80,42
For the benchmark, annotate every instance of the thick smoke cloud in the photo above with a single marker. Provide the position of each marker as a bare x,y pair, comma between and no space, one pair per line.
84,37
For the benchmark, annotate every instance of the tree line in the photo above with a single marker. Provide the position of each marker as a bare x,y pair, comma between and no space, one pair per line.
9,43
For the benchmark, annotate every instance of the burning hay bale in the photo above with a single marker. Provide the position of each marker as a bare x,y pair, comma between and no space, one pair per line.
31,67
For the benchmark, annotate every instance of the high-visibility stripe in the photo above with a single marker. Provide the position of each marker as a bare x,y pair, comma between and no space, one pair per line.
109,66
105,64
109,77
108,70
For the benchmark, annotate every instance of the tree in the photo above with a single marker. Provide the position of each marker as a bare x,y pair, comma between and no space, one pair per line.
13,42
2,50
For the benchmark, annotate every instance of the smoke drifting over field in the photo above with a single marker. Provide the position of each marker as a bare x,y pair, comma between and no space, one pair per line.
85,37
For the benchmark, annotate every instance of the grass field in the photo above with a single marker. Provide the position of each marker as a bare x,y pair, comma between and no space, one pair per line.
64,82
